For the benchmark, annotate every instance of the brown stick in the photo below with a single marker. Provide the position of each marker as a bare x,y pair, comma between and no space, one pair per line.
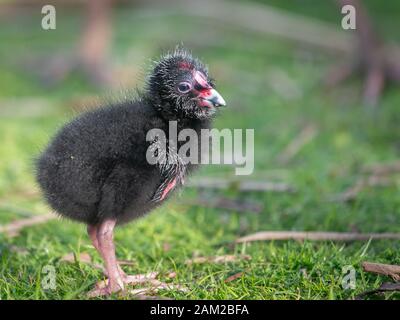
317,236
384,269
384,287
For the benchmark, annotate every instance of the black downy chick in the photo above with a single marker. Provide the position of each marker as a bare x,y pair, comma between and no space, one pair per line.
95,169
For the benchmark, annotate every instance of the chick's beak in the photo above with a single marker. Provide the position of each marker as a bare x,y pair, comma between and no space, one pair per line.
215,99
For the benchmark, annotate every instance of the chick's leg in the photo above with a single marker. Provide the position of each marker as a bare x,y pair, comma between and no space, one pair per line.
105,243
92,232
127,279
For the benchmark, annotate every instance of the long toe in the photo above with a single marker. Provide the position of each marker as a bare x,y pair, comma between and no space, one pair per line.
104,288
99,292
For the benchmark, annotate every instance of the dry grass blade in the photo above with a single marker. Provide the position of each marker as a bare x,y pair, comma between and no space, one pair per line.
149,297
218,259
317,236
141,278
390,270
240,185
82,257
227,204
305,136
383,168
127,263
26,107
171,275
12,229
234,277
352,192
19,250
148,291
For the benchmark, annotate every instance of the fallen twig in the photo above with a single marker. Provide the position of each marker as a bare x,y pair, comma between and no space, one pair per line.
384,287
390,270
12,229
304,137
317,236
243,186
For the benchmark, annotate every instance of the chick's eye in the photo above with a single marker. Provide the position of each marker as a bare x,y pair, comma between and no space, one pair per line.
184,87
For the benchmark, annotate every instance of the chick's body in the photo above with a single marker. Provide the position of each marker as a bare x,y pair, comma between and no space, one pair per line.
96,168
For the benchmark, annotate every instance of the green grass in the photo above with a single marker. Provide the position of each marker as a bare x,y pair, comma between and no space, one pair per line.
349,137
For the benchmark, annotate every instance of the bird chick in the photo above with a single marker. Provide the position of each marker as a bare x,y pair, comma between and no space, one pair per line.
95,169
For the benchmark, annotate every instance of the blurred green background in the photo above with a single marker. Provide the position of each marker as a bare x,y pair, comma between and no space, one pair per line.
271,84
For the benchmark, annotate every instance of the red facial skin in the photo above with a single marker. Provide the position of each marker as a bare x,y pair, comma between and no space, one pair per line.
205,91
169,187
185,65
201,88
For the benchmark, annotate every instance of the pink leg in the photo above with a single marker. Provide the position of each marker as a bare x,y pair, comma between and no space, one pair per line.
92,232
105,243
102,239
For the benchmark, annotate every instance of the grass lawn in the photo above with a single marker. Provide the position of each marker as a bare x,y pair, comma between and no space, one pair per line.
270,86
